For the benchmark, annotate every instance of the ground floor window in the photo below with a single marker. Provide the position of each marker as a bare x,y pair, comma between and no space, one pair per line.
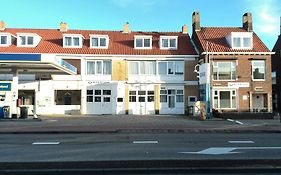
171,96
27,97
68,97
224,99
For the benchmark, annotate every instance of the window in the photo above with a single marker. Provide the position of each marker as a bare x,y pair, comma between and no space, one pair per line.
224,71
69,97
258,70
3,40
143,42
163,96
273,77
98,67
72,40
170,68
179,97
142,67
89,95
236,42
168,42
150,96
132,96
99,41
240,40
26,40
224,99
162,68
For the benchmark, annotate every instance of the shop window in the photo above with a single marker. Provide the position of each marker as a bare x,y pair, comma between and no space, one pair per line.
224,99
69,97
163,96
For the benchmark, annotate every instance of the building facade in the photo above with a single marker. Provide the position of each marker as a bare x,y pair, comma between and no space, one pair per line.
235,66
98,72
276,75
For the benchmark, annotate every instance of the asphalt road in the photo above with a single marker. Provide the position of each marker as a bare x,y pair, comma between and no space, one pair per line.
121,146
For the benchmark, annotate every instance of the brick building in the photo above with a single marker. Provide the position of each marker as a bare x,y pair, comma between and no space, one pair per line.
239,66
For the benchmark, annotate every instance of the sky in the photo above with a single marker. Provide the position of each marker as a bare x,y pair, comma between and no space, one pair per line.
143,15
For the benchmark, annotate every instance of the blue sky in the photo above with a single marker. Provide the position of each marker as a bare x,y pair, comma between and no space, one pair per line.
146,15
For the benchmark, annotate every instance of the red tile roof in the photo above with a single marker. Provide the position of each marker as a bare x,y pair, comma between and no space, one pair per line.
216,37
119,43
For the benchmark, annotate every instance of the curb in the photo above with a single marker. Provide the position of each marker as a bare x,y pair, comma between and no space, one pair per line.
153,131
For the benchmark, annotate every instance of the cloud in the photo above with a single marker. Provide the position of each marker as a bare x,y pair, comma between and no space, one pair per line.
266,15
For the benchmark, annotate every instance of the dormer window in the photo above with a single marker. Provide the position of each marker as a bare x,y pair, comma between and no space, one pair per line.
143,42
6,39
240,40
99,41
27,39
168,42
72,40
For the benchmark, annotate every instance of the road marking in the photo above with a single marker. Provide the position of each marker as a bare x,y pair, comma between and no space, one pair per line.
45,143
146,142
213,151
226,150
241,141
52,120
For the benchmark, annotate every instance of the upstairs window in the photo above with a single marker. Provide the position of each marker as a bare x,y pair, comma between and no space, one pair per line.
72,41
168,42
170,67
224,71
143,42
142,67
99,41
240,40
99,67
258,70
27,40
3,40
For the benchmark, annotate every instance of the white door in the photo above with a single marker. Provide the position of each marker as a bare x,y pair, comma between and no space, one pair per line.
100,100
258,102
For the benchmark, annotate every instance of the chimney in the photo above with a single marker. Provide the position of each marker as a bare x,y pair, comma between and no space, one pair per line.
2,25
126,28
63,27
247,22
196,21
184,29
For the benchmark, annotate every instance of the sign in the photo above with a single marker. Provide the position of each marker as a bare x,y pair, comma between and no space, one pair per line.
5,86
238,84
204,71
20,57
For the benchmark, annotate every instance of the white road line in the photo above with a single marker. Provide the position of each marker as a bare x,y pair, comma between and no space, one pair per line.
241,141
146,142
45,143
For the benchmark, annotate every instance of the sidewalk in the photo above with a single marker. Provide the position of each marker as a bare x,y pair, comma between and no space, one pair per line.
136,124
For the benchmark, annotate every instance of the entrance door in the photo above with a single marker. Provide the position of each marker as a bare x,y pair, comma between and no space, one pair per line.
258,102
142,102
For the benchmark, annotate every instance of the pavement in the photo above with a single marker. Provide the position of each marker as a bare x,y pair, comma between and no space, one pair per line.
135,124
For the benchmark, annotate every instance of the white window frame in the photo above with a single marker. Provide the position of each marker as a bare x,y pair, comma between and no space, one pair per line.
242,36
95,68
36,39
72,40
233,93
146,64
167,71
142,38
99,37
169,38
233,65
252,68
8,42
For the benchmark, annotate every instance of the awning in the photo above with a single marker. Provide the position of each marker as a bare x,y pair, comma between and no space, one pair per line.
35,63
